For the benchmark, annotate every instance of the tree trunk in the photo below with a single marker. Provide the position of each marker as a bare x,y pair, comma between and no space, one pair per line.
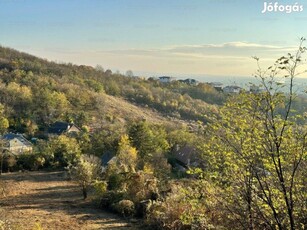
84,190
250,211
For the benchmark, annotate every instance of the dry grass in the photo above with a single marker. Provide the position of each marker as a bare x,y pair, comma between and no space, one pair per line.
49,199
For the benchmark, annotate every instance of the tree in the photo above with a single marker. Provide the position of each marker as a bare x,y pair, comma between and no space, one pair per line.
148,139
141,137
108,72
4,123
129,73
126,157
99,68
257,152
62,150
50,105
87,169
122,166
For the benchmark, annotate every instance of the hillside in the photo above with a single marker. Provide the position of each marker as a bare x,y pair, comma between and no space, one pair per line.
178,156
36,92
140,121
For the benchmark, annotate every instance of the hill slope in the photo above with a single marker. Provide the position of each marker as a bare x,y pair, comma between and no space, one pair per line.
35,93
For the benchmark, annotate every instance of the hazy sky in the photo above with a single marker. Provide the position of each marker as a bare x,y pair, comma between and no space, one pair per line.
203,37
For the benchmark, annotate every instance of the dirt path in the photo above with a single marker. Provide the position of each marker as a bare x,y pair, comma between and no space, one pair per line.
48,199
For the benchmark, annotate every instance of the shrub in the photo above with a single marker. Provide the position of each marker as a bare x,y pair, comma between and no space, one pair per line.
110,198
125,208
141,186
115,181
9,162
185,207
100,187
30,161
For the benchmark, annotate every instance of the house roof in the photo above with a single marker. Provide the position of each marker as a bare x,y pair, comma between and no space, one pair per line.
20,137
232,87
107,157
186,155
216,84
60,127
168,78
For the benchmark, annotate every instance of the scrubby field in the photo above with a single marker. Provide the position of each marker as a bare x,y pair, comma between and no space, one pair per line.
49,200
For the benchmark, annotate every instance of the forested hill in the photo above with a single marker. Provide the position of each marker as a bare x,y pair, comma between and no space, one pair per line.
36,92
245,169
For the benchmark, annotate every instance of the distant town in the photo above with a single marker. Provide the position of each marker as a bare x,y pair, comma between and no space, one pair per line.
220,87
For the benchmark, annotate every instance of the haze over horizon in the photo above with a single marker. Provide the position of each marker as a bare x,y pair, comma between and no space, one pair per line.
195,37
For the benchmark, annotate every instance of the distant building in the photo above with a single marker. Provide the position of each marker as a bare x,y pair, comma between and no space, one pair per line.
232,89
217,86
139,77
16,143
60,127
166,79
189,81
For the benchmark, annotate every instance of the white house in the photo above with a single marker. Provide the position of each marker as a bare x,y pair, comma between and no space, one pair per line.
16,143
232,89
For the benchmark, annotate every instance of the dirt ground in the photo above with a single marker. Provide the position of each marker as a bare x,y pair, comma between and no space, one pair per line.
48,199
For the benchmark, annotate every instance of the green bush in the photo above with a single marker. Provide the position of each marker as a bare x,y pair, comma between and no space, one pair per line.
115,181
100,187
30,161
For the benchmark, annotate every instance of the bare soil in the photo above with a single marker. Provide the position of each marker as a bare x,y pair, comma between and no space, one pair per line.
50,200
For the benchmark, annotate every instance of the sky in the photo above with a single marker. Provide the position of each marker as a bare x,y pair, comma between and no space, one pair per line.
154,37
